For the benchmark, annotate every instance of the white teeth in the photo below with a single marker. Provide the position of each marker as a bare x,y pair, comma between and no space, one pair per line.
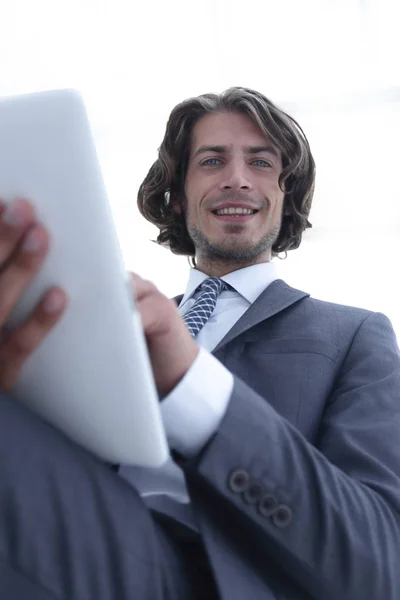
235,211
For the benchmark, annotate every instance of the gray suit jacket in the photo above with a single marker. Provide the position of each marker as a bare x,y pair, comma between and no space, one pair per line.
298,493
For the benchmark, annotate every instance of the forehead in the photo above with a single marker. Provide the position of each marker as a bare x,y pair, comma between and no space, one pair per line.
228,129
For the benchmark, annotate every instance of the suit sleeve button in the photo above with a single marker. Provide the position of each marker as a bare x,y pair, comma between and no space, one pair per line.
282,516
267,505
239,481
253,493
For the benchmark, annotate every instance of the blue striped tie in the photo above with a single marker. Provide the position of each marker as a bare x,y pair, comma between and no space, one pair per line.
204,306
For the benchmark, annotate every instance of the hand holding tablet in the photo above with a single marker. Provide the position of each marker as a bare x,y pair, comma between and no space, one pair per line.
23,247
91,375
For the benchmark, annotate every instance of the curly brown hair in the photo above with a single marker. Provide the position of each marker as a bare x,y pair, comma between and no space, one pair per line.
163,187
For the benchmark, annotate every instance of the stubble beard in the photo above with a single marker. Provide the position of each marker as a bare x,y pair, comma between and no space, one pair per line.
229,249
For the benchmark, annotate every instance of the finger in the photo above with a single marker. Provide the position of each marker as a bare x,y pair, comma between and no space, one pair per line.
15,218
142,287
22,268
157,313
22,341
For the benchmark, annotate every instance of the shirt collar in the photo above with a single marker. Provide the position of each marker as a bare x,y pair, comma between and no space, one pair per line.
249,282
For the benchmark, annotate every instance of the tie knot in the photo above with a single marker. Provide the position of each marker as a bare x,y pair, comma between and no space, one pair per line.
204,306
213,284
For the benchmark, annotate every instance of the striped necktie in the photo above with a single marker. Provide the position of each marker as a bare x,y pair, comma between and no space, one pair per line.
204,306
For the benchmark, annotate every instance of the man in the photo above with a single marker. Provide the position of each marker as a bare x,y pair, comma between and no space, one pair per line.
282,412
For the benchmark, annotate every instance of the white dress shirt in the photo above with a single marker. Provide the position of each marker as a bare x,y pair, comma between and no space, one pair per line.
194,409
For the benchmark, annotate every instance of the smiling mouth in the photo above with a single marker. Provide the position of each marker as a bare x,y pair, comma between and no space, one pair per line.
234,212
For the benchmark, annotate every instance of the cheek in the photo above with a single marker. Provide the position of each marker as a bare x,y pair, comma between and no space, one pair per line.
277,207
195,204
277,195
199,187
191,211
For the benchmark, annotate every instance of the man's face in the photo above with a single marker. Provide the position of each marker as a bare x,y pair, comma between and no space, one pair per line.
233,200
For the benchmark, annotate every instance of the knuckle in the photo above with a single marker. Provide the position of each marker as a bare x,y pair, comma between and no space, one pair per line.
22,342
9,236
27,263
152,289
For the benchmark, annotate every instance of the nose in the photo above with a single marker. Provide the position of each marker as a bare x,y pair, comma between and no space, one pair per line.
235,178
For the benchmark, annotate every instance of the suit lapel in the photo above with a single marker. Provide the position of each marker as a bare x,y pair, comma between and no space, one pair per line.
275,298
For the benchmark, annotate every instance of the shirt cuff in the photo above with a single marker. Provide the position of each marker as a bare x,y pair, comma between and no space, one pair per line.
194,409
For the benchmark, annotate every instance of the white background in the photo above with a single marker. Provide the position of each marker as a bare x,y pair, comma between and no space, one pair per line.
334,64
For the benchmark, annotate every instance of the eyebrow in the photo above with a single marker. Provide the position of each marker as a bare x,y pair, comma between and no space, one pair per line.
248,150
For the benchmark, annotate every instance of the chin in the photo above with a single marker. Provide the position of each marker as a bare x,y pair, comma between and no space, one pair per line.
229,247
235,252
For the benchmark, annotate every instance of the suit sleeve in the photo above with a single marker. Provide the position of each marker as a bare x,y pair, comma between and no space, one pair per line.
189,425
328,514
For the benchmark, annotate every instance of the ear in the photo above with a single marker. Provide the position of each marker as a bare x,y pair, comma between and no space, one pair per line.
287,212
175,205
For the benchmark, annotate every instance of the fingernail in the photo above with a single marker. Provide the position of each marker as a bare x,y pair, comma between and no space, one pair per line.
33,241
14,214
54,302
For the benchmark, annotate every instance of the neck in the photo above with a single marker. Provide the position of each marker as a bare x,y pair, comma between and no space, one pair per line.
219,268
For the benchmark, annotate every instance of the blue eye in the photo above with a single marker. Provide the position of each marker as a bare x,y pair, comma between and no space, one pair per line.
264,163
211,162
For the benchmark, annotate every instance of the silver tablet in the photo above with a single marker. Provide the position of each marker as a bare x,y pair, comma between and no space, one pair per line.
91,377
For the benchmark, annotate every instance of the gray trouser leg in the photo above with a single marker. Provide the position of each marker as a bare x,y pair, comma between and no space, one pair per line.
70,528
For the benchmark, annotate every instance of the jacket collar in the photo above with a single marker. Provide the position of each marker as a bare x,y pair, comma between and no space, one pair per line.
275,298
